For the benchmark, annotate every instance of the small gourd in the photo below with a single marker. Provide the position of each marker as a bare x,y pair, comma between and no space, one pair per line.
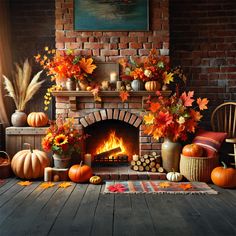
174,176
95,179
152,85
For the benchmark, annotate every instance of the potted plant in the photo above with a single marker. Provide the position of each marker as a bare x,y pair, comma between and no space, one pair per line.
172,118
63,139
22,89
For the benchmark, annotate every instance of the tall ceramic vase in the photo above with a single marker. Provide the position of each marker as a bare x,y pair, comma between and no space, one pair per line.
71,84
19,118
170,152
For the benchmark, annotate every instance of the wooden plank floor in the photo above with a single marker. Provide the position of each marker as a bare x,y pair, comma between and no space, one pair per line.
82,210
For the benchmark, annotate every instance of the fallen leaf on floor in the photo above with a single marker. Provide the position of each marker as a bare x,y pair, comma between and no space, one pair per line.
47,185
24,183
185,186
164,185
64,185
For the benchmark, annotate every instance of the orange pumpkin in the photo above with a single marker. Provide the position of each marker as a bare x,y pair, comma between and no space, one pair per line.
80,173
224,177
29,163
152,86
192,150
37,119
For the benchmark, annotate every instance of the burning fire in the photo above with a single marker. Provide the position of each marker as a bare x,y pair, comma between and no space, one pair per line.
112,142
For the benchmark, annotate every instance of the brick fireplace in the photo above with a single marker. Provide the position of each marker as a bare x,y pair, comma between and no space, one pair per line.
106,46
87,113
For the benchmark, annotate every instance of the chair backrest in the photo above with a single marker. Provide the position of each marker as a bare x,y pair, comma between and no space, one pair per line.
223,119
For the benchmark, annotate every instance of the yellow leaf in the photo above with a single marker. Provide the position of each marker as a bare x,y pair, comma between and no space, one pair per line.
64,185
24,183
47,185
149,119
167,77
164,184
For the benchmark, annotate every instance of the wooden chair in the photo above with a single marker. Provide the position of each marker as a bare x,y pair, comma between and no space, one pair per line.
223,119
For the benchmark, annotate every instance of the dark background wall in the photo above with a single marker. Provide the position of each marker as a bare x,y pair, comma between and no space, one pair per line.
202,40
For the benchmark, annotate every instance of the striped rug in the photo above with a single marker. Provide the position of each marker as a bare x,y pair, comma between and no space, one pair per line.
159,187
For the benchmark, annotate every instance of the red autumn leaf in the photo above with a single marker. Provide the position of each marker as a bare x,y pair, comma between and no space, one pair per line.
154,106
202,103
120,188
187,99
124,95
185,186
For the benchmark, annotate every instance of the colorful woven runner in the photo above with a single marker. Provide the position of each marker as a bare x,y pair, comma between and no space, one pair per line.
160,187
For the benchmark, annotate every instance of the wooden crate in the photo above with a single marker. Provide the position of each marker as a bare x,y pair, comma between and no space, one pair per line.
17,136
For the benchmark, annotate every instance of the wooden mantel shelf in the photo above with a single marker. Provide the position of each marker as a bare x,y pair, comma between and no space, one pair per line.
73,95
106,93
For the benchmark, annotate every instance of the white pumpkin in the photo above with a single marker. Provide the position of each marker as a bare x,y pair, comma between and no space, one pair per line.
174,176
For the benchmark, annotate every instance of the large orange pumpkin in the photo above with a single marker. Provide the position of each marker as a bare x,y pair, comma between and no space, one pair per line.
152,86
37,119
224,177
192,150
29,163
80,173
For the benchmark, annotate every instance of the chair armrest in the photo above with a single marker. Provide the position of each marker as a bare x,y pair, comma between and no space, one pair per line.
230,140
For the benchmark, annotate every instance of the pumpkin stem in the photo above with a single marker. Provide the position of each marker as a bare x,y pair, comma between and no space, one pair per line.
224,165
173,170
81,163
30,147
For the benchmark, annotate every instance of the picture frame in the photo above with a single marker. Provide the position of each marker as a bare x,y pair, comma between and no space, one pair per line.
111,15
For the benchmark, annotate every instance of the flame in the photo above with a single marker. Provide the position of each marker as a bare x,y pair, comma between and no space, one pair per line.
112,142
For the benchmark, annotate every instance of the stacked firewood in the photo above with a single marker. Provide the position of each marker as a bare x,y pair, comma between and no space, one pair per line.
148,162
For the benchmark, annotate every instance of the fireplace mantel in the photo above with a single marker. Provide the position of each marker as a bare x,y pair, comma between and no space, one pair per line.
73,95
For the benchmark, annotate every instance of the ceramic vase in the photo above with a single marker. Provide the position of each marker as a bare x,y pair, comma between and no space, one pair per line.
61,161
137,85
70,85
170,153
19,118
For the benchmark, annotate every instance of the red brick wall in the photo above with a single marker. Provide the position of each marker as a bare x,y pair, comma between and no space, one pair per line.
203,41
109,46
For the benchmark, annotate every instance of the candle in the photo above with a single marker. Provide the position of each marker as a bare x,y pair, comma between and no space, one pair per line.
118,85
88,159
135,157
113,77
47,174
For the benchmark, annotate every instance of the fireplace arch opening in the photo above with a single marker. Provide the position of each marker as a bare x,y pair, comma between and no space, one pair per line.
108,135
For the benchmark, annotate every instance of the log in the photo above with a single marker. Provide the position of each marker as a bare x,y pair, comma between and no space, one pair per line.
133,163
160,169
141,168
135,168
107,153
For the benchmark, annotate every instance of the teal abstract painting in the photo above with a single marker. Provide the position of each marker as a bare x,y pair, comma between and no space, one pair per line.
111,15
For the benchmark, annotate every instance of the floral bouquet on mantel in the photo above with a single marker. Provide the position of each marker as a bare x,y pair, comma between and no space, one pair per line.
173,117
151,68
65,66
62,138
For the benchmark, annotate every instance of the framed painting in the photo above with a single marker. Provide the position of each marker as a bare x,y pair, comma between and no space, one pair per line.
111,15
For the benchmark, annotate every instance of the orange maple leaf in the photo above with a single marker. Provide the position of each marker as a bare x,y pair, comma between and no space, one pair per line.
202,103
187,99
154,106
86,65
185,186
47,185
64,185
164,184
124,95
24,183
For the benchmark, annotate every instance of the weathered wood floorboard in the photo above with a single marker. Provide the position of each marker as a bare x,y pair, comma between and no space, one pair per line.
82,209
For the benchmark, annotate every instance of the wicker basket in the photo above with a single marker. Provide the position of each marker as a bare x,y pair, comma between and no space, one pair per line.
5,168
197,168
